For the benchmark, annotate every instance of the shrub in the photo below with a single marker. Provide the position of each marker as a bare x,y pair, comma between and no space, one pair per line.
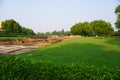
15,68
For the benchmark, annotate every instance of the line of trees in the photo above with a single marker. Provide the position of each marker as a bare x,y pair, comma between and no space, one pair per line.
97,27
13,27
58,33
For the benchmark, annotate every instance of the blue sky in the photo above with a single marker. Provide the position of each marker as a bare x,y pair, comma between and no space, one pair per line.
50,15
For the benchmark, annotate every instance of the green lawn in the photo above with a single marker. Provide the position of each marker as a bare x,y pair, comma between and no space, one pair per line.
89,51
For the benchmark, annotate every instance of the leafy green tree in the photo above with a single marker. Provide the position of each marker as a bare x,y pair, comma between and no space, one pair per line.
86,28
67,33
41,34
23,31
117,12
17,28
59,33
76,29
27,31
11,26
30,32
81,29
101,28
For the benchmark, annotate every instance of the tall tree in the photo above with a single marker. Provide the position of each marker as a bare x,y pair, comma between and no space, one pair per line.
102,28
117,12
11,26
27,31
81,29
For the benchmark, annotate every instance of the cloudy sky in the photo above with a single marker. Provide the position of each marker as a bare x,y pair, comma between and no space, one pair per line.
50,15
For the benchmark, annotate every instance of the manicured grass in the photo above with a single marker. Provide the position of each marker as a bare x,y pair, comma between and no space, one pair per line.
89,51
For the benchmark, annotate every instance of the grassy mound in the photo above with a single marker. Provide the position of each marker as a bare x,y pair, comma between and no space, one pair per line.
15,68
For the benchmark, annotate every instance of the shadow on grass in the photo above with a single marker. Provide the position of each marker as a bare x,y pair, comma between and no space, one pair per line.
90,54
113,42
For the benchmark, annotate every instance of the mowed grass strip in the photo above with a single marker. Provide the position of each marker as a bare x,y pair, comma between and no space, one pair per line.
89,51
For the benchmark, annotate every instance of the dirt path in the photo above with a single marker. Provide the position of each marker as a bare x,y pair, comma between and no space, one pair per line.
17,49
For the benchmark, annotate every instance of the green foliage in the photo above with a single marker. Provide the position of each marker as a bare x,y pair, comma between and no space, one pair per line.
117,23
117,33
61,33
102,28
15,68
13,27
117,11
56,33
27,31
97,27
81,29
43,34
50,34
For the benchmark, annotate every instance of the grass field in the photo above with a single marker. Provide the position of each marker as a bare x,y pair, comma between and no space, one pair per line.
89,51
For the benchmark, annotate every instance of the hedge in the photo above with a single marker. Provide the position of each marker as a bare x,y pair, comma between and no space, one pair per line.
15,68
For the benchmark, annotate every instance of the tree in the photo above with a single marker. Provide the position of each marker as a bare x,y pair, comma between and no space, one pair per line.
86,28
11,26
101,28
59,33
117,12
81,29
67,33
27,31
17,28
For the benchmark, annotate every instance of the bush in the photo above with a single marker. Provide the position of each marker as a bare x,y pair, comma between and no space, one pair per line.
15,68
117,33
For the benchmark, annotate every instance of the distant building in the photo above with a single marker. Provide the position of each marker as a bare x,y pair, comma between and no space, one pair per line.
1,30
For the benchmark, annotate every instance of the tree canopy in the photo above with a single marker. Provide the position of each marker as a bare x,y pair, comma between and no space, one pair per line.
117,12
97,27
81,29
13,27
101,28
